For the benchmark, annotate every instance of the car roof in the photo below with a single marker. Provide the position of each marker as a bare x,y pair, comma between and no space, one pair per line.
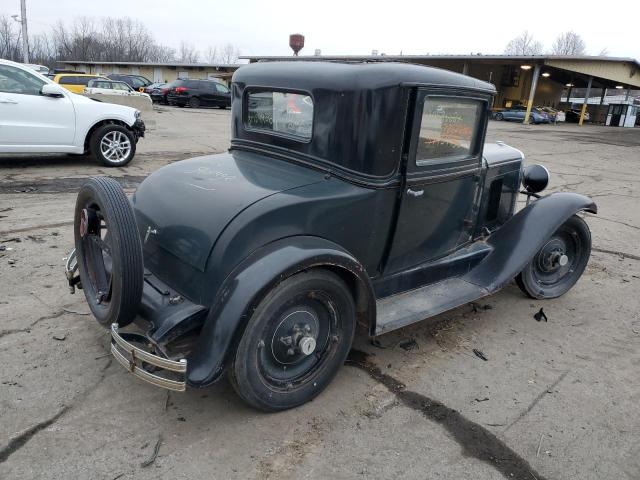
95,75
369,102
339,75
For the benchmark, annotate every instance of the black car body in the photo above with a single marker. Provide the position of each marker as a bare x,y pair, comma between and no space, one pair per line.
137,82
158,92
351,193
196,93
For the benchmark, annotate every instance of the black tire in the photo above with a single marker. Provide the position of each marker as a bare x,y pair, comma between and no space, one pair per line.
271,376
499,116
223,107
112,277
103,134
194,102
545,276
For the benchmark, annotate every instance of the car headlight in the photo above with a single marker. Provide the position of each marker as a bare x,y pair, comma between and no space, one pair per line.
535,178
137,114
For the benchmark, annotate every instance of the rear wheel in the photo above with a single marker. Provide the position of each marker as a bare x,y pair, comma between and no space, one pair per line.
559,263
194,102
108,251
295,342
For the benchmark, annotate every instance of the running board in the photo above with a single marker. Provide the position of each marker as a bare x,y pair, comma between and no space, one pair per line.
400,310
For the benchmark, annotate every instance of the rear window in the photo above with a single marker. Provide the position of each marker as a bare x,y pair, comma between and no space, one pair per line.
67,80
284,113
93,83
448,129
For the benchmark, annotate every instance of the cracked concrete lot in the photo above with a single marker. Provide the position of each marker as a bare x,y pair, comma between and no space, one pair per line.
554,400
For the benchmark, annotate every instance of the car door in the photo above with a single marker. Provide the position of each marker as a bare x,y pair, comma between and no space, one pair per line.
121,88
28,118
439,200
223,95
207,93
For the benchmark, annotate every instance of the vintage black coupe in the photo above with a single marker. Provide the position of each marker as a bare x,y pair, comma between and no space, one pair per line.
351,193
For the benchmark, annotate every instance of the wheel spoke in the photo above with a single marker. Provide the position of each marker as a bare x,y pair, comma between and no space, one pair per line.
100,243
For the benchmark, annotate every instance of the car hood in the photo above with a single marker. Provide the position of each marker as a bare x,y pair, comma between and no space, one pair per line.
184,207
123,111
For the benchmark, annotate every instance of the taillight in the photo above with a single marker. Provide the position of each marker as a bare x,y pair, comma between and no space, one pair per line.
164,90
180,89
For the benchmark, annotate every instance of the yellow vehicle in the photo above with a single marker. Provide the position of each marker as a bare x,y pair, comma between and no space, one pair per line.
75,82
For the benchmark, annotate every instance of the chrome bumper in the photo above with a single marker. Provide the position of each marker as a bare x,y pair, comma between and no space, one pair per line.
132,358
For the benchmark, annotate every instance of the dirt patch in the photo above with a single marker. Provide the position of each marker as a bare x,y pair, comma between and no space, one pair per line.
475,440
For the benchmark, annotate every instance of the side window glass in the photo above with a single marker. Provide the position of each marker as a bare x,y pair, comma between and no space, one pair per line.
280,112
448,129
14,80
221,88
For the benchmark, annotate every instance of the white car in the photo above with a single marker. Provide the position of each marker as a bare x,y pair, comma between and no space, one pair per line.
111,87
39,116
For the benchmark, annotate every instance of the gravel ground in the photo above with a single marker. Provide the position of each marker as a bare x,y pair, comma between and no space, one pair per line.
554,400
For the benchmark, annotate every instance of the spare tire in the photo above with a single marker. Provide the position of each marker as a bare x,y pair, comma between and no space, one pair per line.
108,251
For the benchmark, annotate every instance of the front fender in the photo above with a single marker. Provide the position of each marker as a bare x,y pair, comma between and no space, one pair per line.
520,238
243,289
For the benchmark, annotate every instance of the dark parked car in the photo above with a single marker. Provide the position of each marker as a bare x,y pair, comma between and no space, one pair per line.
518,112
158,92
136,82
351,193
199,93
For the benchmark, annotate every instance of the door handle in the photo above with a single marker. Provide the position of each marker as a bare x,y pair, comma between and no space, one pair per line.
415,193
8,100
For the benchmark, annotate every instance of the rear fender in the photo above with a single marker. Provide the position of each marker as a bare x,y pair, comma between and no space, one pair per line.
243,289
520,238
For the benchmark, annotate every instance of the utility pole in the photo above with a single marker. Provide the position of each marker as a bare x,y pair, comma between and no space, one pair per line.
25,35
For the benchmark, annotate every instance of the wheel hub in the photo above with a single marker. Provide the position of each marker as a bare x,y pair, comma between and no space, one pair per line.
295,337
553,256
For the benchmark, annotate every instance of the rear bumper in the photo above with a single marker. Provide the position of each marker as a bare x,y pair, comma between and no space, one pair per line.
136,361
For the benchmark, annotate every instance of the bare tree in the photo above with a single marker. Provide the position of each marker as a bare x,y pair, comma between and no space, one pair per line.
10,39
187,53
211,54
162,54
569,43
604,52
229,54
523,44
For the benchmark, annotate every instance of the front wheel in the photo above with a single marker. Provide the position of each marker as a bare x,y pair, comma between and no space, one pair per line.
559,263
295,342
499,116
113,145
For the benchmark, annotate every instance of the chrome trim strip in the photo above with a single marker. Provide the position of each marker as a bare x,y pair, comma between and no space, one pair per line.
174,366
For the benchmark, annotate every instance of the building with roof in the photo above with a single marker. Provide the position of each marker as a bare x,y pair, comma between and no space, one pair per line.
533,80
156,72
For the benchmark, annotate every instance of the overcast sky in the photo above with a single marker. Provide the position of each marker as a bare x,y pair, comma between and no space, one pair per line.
357,27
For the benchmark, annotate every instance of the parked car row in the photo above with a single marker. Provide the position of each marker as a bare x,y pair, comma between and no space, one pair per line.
539,115
181,92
